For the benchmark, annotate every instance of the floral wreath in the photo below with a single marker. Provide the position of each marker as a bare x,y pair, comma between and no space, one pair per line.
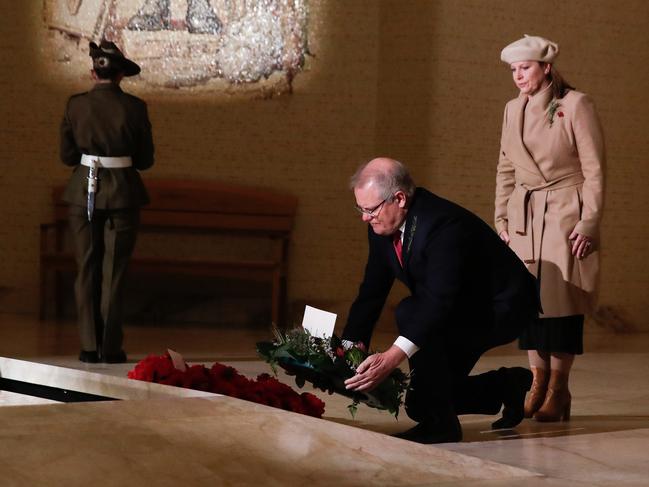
326,363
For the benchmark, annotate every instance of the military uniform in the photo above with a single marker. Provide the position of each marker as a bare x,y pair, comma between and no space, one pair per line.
105,121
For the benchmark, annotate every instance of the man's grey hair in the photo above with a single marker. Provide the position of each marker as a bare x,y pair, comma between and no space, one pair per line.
387,181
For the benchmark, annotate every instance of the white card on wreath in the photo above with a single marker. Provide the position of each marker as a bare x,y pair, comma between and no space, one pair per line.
318,323
177,360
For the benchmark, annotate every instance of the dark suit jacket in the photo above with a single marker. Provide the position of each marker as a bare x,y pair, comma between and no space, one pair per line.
105,121
463,279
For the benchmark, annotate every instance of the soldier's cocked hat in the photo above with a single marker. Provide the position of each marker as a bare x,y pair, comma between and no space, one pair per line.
108,52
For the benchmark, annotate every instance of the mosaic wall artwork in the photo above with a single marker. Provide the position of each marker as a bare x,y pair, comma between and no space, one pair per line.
214,44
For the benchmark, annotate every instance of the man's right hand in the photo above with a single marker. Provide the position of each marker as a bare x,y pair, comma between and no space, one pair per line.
375,369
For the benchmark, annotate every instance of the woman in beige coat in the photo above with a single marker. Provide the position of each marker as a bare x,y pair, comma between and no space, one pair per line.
549,196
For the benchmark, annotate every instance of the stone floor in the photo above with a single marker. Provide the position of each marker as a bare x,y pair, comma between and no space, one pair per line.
215,440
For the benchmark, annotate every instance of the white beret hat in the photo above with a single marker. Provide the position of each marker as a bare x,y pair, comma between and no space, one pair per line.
530,48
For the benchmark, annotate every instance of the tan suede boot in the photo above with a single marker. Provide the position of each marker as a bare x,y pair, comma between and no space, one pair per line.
537,393
556,406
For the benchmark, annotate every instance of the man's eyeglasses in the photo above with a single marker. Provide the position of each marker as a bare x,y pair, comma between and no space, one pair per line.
372,212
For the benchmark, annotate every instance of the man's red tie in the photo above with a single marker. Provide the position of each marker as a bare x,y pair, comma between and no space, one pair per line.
396,242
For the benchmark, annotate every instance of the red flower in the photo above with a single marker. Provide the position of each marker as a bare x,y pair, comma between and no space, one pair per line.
340,352
293,403
197,377
223,379
153,368
223,371
177,379
313,405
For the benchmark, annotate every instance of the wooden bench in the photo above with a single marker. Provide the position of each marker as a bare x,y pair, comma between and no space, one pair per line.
185,208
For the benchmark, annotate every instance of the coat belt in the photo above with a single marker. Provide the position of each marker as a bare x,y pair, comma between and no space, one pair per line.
520,218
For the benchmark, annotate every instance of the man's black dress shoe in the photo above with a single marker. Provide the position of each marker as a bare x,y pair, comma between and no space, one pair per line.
517,381
430,433
115,358
89,357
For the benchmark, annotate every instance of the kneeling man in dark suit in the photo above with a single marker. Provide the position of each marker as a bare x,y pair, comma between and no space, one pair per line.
469,293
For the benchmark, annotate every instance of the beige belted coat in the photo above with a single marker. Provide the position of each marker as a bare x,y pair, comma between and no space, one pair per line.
550,181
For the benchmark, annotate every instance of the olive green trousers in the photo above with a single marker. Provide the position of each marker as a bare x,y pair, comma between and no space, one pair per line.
103,249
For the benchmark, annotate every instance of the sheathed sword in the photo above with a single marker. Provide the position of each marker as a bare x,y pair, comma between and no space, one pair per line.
92,186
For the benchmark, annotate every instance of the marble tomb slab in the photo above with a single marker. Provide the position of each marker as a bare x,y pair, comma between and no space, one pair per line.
216,441
101,384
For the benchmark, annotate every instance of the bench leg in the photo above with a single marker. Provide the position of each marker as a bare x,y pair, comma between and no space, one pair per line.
58,295
275,300
43,294
280,314
278,310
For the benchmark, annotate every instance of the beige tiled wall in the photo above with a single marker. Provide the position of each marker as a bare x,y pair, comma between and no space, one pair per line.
418,80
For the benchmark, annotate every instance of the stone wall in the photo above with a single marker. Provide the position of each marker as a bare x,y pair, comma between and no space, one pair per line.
420,81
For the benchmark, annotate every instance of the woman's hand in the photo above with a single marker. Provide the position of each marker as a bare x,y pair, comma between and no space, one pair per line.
504,236
582,245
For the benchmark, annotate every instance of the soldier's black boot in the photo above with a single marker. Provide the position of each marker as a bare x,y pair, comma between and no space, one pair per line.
115,358
89,357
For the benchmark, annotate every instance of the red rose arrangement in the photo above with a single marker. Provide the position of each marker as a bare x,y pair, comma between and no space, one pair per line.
223,379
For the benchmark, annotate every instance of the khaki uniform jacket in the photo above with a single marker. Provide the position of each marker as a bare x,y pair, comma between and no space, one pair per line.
550,181
105,121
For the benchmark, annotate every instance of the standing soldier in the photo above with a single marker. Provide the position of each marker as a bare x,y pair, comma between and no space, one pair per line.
106,137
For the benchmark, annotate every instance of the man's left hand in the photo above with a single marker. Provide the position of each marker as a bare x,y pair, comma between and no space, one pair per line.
375,369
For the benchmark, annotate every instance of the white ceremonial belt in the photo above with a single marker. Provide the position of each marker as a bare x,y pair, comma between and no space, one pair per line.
107,162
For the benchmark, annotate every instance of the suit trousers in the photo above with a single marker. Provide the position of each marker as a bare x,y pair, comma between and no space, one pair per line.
103,249
440,383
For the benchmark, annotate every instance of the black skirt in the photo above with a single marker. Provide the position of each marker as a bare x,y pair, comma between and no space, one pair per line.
564,334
